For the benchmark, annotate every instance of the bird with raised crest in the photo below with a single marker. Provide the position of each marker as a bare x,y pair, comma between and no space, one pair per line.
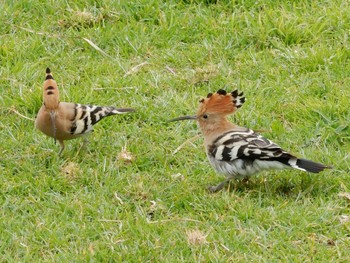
65,120
239,152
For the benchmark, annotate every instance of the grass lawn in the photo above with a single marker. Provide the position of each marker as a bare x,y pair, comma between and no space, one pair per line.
291,59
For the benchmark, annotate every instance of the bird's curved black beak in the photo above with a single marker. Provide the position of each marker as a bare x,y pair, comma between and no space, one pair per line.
184,118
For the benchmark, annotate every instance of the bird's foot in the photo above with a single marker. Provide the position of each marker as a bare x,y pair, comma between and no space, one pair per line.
86,141
245,180
217,188
62,148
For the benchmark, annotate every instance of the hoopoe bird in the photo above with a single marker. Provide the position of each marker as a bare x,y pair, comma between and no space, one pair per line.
65,120
239,152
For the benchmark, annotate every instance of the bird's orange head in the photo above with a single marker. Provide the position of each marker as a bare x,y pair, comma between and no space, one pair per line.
50,92
213,110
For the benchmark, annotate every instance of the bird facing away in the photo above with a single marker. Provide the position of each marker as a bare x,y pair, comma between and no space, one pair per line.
238,152
64,120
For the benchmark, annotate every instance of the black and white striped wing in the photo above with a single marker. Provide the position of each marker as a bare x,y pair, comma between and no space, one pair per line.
246,144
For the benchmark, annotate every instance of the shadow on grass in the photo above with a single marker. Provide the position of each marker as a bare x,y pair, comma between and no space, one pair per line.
297,186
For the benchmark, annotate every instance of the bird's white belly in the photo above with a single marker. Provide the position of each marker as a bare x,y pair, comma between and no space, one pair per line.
241,168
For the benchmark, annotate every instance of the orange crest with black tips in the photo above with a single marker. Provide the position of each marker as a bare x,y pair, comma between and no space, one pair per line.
221,102
50,91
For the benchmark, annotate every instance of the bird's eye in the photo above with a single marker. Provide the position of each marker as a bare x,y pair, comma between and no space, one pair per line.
205,116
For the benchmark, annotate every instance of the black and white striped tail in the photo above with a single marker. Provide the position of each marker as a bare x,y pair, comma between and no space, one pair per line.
308,166
88,115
